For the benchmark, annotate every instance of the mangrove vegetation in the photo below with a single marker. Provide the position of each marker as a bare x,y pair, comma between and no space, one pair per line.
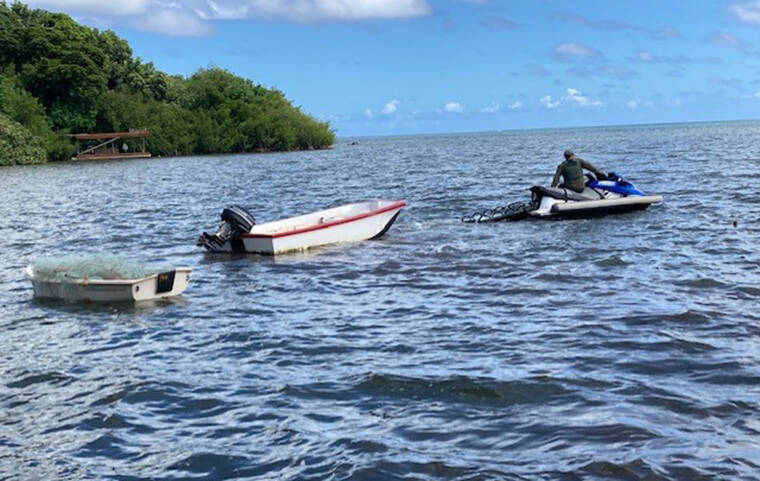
58,77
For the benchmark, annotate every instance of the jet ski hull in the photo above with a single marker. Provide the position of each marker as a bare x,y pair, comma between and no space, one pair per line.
597,199
594,208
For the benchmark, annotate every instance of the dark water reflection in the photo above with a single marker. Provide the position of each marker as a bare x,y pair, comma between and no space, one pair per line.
618,348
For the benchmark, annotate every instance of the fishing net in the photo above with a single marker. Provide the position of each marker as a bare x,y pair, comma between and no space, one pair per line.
92,266
510,213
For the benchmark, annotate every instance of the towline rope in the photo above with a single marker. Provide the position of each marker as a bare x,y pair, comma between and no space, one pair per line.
509,213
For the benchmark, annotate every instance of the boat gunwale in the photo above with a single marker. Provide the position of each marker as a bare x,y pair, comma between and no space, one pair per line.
395,205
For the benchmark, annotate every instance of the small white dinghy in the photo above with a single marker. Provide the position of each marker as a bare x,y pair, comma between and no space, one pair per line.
102,278
355,222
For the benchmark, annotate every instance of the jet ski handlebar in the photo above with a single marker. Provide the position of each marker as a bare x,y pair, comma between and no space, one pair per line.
608,176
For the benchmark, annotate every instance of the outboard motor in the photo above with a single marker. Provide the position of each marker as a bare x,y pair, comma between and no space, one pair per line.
235,222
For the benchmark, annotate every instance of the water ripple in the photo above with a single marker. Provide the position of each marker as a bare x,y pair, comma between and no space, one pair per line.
615,348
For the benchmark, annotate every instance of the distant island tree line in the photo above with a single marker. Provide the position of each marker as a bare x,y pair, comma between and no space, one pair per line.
58,77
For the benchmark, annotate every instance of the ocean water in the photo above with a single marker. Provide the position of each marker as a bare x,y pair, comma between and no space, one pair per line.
620,348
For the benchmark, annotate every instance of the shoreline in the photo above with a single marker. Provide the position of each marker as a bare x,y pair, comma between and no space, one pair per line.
350,140
227,154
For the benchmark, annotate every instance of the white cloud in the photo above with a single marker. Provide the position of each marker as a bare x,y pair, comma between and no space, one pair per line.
516,105
222,11
164,18
391,107
725,39
309,11
498,23
747,12
193,17
174,23
368,113
93,7
757,95
489,109
645,57
455,107
573,97
573,51
633,104
547,102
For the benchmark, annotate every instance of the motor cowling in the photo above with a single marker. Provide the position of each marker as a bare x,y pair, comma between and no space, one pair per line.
235,222
240,219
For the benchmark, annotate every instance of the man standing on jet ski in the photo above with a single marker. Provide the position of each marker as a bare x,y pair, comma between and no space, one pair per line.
571,171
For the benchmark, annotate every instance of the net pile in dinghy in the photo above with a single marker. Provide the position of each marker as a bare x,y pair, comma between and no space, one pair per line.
102,266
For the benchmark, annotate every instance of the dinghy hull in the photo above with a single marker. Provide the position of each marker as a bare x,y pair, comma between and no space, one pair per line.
154,286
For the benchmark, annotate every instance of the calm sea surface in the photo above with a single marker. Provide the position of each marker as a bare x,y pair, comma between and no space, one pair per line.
626,347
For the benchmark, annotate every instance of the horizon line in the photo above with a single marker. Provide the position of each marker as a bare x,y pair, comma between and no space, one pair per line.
524,129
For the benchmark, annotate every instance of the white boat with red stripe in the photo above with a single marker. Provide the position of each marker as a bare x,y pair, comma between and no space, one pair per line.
239,233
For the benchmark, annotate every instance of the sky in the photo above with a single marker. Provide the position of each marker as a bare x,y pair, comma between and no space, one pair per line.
389,67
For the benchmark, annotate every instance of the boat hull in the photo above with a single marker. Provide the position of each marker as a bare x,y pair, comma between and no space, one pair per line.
329,228
155,286
347,223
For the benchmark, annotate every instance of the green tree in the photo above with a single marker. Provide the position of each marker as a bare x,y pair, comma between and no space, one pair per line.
22,107
242,116
59,76
171,126
18,145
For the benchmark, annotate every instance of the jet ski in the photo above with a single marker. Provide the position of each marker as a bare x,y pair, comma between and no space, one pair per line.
610,194
604,195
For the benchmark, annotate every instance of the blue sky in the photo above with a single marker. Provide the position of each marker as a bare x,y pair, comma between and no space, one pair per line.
379,67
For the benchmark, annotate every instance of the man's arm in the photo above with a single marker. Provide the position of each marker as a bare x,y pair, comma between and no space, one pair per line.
593,169
555,181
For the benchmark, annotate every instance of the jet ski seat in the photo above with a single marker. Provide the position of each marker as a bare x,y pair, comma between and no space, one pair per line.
564,194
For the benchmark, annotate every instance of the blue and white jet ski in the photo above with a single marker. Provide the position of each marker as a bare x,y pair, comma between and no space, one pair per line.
602,196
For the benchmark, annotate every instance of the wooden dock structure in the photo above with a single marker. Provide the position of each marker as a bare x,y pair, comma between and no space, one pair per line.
109,147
